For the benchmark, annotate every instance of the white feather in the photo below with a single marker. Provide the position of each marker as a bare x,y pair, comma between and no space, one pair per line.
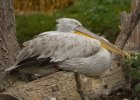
60,46
91,66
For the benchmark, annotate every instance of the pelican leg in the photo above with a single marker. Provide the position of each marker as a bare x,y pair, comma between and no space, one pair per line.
79,87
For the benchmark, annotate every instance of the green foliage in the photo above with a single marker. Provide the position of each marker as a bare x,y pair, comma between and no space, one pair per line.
134,62
100,16
32,24
135,74
137,88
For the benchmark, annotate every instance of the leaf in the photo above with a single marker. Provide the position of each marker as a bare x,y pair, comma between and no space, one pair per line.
135,74
137,88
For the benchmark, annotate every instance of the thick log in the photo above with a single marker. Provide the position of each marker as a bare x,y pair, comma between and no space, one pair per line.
62,86
58,86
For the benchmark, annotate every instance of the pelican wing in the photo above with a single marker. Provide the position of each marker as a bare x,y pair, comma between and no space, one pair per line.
57,46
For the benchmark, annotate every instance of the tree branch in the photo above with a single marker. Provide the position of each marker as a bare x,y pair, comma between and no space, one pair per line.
128,26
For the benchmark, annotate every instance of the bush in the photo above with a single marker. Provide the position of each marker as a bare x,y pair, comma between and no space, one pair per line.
33,24
100,16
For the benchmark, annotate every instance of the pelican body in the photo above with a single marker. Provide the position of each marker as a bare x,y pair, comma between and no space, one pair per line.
68,49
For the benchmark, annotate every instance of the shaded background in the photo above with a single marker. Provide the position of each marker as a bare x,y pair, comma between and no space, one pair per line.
100,16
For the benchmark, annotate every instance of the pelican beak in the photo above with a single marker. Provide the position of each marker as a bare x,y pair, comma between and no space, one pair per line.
83,31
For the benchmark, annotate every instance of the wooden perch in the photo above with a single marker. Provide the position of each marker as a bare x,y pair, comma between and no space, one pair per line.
62,86
58,86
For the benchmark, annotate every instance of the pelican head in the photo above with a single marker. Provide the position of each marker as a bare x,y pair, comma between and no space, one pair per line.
74,26
67,24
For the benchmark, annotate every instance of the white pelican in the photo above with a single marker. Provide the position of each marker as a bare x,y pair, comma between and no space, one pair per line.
70,48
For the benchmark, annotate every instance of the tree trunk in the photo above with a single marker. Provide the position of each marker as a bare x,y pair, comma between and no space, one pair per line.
128,24
8,42
133,44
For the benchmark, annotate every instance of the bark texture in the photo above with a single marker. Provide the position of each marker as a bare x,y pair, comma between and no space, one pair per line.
133,43
62,86
129,23
8,43
58,86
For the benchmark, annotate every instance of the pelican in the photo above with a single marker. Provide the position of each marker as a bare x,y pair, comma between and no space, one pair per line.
70,48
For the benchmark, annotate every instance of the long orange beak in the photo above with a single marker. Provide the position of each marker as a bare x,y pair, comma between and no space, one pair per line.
83,31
